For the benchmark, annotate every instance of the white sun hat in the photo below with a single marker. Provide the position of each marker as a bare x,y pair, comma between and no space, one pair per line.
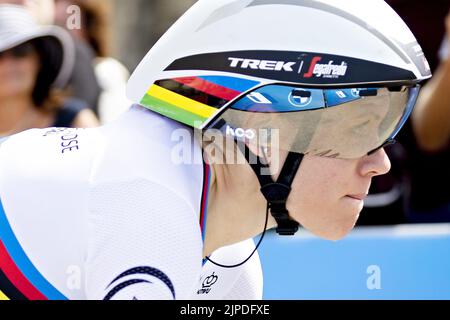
18,26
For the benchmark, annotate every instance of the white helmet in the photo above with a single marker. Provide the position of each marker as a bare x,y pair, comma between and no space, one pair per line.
337,78
223,50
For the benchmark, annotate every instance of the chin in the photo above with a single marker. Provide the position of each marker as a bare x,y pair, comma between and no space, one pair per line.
337,230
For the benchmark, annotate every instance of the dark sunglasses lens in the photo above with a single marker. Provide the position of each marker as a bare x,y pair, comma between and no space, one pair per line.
23,50
20,51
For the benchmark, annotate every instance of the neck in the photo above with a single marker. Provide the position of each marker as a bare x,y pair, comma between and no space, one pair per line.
237,209
15,113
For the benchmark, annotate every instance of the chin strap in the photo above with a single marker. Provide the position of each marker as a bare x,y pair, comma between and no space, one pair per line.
276,193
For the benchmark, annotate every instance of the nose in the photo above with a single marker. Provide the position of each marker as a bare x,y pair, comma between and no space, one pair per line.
375,164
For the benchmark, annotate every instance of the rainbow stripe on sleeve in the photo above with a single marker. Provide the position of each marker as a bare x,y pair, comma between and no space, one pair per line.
19,278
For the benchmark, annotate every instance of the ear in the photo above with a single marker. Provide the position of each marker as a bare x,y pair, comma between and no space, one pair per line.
217,148
265,149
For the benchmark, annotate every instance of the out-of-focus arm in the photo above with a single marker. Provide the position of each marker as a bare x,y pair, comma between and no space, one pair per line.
431,118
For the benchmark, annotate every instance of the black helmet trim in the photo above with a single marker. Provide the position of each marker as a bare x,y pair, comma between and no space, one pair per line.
296,67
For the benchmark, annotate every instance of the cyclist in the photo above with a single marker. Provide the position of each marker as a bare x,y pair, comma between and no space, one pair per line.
306,92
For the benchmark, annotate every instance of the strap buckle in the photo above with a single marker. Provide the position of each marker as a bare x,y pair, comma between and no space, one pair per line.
287,228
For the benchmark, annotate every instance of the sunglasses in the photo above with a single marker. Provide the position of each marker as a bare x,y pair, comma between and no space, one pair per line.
339,123
19,52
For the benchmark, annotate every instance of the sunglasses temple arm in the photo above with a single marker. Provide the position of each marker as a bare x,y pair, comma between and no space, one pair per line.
388,142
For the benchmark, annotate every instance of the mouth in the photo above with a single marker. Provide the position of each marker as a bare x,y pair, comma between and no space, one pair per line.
360,197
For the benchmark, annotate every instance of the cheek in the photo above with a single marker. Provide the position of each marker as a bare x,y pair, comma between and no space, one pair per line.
318,182
312,200
316,199
30,68
26,73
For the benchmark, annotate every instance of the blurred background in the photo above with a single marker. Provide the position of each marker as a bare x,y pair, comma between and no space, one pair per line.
400,248
138,24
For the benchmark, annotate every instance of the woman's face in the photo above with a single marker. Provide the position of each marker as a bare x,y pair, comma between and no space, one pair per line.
18,71
327,194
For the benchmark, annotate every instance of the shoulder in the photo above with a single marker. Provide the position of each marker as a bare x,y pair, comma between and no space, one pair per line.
44,179
144,210
47,152
139,224
47,164
140,207
146,146
136,146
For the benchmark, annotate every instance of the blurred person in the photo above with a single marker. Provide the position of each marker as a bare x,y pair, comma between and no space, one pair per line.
412,190
431,126
431,120
34,60
141,207
95,32
82,84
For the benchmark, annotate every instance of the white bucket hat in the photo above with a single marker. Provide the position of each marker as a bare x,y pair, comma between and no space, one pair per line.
18,26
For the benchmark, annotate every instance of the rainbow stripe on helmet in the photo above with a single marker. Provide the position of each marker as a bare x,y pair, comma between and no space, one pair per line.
194,100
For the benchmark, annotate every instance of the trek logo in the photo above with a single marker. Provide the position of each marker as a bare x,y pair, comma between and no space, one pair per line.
267,65
208,283
240,133
329,70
